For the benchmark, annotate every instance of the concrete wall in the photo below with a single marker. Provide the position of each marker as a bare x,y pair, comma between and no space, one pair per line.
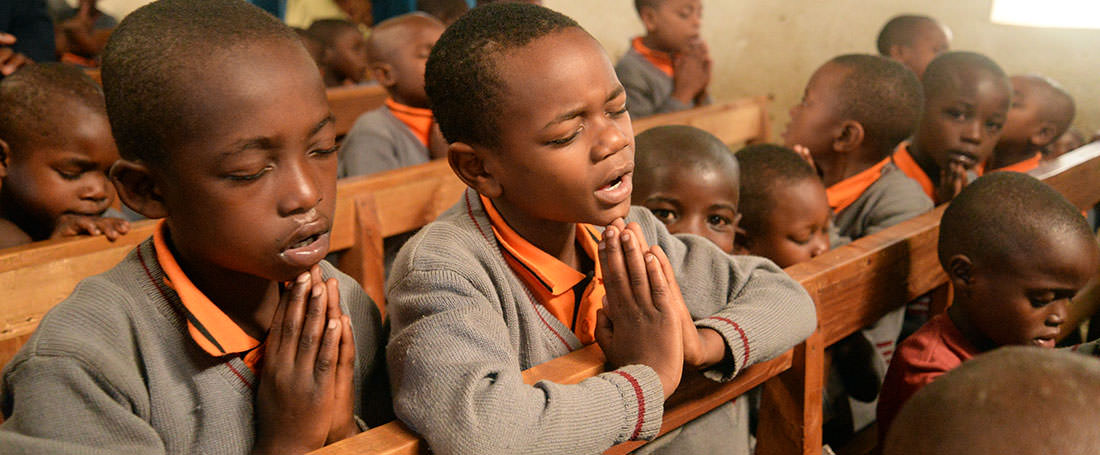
773,46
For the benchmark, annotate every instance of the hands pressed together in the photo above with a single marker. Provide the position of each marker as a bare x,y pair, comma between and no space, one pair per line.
305,397
691,70
644,319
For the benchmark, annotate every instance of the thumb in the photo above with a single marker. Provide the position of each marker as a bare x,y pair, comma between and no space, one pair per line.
603,328
7,39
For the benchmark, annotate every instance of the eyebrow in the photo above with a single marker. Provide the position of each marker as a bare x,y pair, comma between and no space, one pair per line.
580,110
267,143
666,200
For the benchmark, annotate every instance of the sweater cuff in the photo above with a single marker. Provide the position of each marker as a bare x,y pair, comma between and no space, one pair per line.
736,340
643,401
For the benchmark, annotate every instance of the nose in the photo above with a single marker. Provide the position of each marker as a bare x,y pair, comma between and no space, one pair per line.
820,246
301,189
972,132
97,189
613,137
1058,311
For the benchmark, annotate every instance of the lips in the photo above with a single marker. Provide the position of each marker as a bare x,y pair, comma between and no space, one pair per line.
1044,342
617,187
968,160
308,245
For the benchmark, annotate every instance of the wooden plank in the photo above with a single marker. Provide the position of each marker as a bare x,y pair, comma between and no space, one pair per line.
348,103
734,122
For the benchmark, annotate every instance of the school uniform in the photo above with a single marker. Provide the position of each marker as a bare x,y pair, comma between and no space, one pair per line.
904,161
928,353
647,76
472,305
390,137
868,202
138,360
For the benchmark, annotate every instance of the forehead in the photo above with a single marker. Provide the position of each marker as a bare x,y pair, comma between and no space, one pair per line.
827,78
977,85
85,135
1057,257
798,201
555,73
929,33
696,182
679,4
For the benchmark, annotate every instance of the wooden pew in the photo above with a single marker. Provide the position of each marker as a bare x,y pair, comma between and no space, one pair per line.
736,122
851,285
348,103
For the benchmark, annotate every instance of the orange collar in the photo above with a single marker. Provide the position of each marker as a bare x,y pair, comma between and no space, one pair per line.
1023,166
208,325
905,162
552,281
418,120
661,60
845,192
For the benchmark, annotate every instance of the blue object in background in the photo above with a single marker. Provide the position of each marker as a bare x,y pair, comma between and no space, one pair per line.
385,9
277,8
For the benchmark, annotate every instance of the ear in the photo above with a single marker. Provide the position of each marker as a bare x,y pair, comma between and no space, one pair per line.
5,152
137,188
649,18
849,137
1045,135
383,73
469,163
960,271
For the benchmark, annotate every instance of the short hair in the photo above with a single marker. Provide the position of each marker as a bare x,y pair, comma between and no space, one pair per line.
941,71
1015,399
390,34
900,30
461,76
639,4
144,79
765,167
882,95
443,9
1056,105
327,30
681,146
33,97
1003,215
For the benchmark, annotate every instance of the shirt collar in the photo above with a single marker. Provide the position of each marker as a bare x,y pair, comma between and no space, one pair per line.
905,162
845,192
661,60
208,325
1025,165
418,120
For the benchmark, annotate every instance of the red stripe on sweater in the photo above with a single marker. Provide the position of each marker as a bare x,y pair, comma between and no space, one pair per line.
641,402
744,338
239,375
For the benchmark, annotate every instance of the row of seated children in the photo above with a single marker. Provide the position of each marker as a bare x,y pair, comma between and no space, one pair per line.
227,333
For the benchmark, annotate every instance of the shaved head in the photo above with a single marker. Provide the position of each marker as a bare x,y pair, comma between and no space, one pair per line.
389,35
680,146
1012,400
1057,104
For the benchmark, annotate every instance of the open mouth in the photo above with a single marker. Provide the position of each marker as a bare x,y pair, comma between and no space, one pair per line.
967,160
1044,342
613,185
306,241
617,190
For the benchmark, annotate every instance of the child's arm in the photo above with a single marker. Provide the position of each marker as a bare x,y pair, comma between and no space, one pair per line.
455,365
11,235
74,225
952,181
304,399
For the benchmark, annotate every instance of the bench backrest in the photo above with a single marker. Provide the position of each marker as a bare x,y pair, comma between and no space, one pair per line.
736,122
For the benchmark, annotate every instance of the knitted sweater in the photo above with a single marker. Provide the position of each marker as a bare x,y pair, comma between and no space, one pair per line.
113,369
893,198
464,327
377,142
648,90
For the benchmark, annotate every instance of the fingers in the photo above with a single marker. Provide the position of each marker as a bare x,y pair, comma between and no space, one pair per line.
314,327
290,325
614,270
345,367
636,270
666,268
11,61
603,328
7,39
113,228
658,287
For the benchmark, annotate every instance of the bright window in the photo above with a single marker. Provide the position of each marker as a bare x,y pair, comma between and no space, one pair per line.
1047,13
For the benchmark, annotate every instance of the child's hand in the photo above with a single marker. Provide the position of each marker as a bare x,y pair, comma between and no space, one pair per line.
952,181
73,225
639,323
702,347
691,73
9,59
303,396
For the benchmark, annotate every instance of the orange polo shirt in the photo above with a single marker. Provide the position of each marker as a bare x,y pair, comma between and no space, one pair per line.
552,282
845,192
661,60
418,120
904,161
1025,165
211,328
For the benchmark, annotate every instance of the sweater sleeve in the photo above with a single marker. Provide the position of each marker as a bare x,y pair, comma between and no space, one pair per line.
59,404
457,379
368,147
904,199
642,99
757,308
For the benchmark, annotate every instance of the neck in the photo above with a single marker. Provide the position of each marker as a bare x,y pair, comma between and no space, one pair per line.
554,238
1007,155
651,43
248,300
405,101
972,334
846,165
926,163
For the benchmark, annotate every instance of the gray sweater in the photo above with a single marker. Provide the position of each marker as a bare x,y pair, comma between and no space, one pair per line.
893,198
378,142
648,89
464,327
113,369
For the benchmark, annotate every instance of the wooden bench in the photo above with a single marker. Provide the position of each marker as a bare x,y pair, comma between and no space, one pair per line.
735,123
852,286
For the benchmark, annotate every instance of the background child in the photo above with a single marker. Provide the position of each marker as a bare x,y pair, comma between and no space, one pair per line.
1012,400
515,273
914,41
447,11
1041,112
966,100
669,68
689,180
315,47
1070,140
54,131
345,61
400,133
1016,252
230,139
785,212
